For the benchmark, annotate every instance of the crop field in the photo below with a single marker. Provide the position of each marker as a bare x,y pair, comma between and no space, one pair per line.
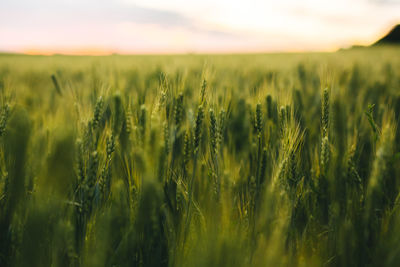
201,160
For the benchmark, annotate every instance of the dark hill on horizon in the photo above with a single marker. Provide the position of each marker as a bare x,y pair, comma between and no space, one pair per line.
392,38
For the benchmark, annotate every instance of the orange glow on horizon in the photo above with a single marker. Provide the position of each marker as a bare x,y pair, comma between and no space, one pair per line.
66,51
105,52
129,38
102,51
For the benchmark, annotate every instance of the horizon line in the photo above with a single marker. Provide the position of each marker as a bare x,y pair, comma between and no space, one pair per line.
110,52
93,50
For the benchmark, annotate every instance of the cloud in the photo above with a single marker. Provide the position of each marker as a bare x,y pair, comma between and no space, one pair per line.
161,26
22,13
161,18
158,17
115,26
385,2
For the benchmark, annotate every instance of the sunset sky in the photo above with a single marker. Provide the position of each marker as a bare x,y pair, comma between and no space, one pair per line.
182,26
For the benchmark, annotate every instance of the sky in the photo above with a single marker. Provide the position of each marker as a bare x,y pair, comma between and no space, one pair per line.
187,26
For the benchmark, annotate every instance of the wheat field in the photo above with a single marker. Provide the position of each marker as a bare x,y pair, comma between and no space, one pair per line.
201,160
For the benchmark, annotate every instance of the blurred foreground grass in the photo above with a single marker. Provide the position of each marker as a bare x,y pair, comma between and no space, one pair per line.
218,160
